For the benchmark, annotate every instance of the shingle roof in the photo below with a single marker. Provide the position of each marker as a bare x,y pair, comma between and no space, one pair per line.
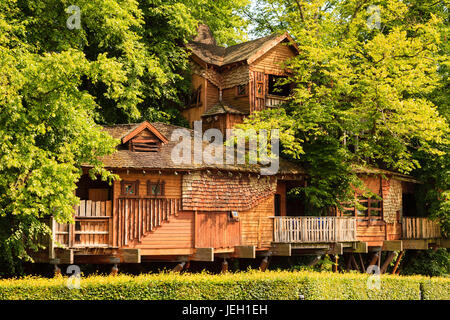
124,158
221,56
222,193
221,108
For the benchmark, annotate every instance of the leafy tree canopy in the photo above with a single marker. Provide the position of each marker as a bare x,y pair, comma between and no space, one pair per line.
371,88
124,62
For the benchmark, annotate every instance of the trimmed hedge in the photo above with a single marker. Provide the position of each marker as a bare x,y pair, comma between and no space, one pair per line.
252,285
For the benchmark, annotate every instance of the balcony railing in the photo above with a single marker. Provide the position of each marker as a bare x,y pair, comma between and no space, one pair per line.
420,228
314,229
91,229
274,101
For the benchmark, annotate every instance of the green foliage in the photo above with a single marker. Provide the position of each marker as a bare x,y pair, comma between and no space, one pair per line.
254,285
125,63
429,263
363,95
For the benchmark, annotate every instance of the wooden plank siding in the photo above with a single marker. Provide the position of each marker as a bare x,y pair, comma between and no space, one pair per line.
256,224
215,230
272,62
172,190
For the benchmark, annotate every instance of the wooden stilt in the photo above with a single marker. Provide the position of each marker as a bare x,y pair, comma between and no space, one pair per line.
114,270
336,260
179,267
374,259
397,262
354,263
315,261
362,263
348,265
57,271
224,266
264,264
388,260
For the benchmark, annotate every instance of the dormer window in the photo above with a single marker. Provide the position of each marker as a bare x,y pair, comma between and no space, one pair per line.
144,138
145,145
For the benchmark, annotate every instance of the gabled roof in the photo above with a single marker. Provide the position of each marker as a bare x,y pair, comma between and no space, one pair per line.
247,51
141,127
162,160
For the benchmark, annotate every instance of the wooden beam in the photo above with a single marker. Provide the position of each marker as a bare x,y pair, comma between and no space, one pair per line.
388,260
281,249
65,256
203,254
360,247
336,249
129,255
353,261
362,263
444,243
415,244
392,245
397,262
245,252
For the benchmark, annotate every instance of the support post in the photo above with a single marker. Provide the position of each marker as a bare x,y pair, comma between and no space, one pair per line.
264,264
362,263
388,260
179,267
397,262
336,261
353,261
224,266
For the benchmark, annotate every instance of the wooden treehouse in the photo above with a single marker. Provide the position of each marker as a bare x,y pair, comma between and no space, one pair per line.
163,211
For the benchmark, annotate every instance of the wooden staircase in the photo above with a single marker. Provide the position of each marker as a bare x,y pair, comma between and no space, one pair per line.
138,217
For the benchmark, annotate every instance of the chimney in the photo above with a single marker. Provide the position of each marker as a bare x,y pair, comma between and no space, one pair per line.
204,35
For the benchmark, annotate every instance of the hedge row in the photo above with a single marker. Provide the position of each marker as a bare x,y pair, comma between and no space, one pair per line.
253,285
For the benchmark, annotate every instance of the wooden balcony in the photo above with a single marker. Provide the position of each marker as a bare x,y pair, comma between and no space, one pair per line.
420,228
93,223
274,101
314,229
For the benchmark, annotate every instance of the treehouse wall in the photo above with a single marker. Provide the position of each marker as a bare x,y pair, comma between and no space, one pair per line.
212,95
215,230
242,103
256,224
175,236
172,190
272,62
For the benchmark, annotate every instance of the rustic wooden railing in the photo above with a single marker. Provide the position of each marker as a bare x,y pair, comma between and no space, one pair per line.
138,216
314,229
92,226
274,101
420,228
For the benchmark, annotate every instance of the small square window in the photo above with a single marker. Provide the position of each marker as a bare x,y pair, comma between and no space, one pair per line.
241,90
155,189
129,188
260,89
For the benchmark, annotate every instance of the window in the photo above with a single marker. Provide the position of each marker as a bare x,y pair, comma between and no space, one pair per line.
241,90
233,216
155,189
373,208
277,204
129,188
145,145
260,89
277,86
194,99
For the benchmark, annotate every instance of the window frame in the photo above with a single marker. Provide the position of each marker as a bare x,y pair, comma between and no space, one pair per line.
158,183
245,90
135,185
